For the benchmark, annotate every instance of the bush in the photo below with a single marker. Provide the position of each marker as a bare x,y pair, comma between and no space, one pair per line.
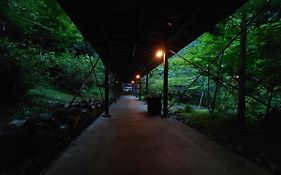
70,72
24,66
188,109
13,85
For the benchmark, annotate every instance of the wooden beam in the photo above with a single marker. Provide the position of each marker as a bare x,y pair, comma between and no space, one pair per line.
139,25
106,89
188,21
165,85
134,50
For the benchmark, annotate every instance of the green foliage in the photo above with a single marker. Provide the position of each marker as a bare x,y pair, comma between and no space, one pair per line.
263,61
154,96
43,54
188,109
42,22
18,70
216,122
46,94
69,72
26,66
38,56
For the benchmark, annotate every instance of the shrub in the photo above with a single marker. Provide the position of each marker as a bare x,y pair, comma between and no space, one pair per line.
188,109
13,86
24,66
70,72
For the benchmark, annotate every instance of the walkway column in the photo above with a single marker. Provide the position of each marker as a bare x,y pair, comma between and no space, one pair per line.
165,86
115,91
140,89
106,90
242,71
118,89
115,88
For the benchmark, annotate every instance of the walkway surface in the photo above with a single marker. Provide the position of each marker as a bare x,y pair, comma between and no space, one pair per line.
132,142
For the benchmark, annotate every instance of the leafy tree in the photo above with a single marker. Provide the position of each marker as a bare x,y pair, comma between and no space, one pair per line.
42,22
262,64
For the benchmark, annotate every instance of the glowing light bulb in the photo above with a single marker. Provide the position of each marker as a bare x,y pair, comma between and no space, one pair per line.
160,53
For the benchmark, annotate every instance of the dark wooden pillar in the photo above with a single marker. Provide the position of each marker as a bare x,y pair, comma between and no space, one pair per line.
106,90
115,88
242,71
119,89
165,86
140,92
146,84
115,91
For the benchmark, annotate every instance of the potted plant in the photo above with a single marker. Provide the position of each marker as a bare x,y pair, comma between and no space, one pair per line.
154,104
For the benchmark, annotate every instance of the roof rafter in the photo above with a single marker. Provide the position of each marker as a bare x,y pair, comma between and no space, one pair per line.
188,21
139,25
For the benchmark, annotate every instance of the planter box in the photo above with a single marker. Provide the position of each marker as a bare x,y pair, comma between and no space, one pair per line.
154,105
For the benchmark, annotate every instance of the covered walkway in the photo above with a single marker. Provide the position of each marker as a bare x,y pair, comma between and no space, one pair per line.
132,142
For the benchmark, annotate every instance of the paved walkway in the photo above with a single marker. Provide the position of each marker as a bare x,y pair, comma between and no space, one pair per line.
132,142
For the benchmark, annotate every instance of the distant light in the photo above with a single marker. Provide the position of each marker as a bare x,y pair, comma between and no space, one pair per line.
170,24
237,76
159,53
137,76
133,82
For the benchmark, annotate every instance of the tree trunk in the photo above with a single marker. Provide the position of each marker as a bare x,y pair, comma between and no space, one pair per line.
242,71
269,100
217,89
208,95
224,100
215,97
201,97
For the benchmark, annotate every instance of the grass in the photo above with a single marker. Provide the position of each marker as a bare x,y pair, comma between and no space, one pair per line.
38,99
47,93
252,135
92,93
214,122
50,93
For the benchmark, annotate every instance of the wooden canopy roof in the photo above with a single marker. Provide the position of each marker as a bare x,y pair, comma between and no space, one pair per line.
127,33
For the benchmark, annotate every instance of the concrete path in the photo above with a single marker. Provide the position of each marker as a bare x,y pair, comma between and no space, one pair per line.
132,142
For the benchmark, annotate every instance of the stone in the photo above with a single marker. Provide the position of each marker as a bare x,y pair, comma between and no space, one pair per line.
17,122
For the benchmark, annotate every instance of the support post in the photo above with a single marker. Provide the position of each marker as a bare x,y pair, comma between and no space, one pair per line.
140,92
119,89
242,71
106,90
146,84
208,95
165,86
115,89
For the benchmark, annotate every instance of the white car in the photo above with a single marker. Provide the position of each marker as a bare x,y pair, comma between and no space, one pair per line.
127,89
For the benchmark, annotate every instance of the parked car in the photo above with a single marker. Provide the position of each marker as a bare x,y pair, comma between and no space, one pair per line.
127,90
